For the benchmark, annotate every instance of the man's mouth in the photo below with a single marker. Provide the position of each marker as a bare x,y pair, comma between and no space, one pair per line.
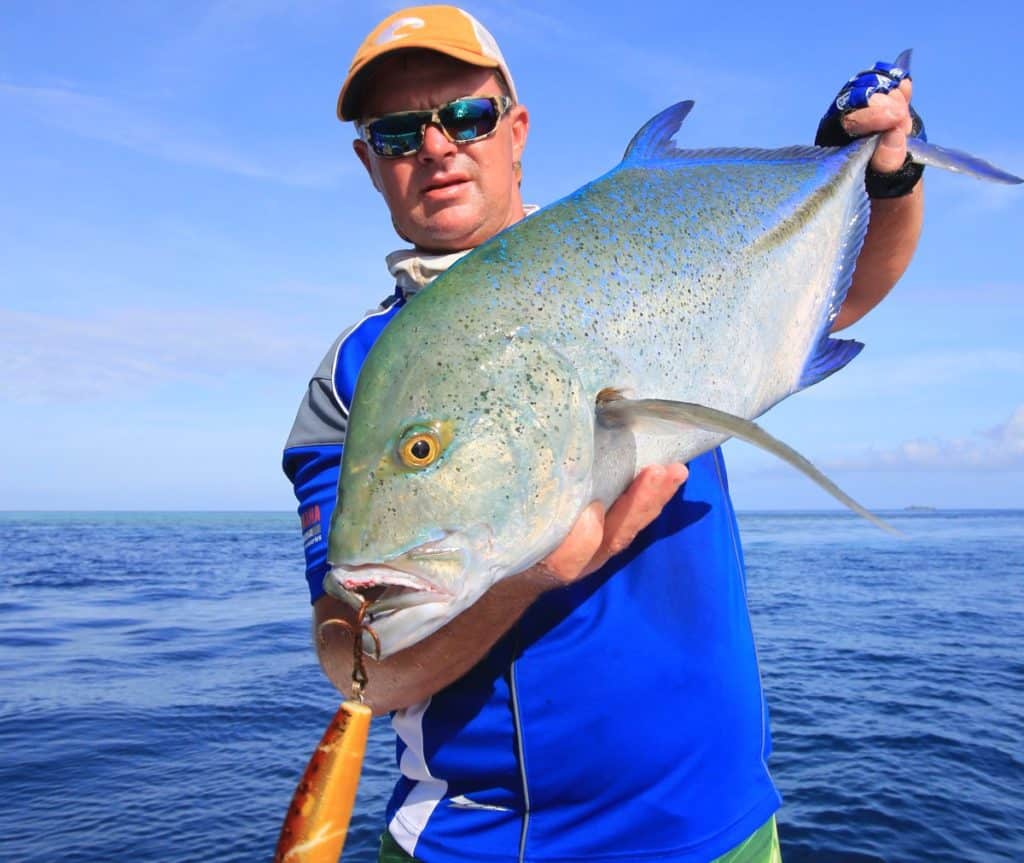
439,187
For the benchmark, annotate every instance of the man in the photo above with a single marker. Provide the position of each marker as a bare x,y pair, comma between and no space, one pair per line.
606,704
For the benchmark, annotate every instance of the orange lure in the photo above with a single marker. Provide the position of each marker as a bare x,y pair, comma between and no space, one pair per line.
317,820
316,823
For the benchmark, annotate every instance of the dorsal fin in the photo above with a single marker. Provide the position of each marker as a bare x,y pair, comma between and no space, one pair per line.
654,140
654,143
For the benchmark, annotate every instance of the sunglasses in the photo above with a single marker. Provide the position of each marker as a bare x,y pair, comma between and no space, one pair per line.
471,118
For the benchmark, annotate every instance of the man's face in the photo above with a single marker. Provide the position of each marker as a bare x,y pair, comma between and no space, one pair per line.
447,197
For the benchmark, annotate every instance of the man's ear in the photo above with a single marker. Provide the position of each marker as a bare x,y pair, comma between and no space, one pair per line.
519,117
363,152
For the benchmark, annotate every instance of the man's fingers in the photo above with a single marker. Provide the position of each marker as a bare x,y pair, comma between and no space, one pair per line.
885,111
887,115
597,536
907,89
890,151
567,562
638,506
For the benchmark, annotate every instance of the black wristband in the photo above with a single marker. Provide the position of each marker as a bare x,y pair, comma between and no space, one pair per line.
902,181
894,185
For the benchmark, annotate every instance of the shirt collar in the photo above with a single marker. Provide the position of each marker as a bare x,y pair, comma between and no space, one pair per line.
414,270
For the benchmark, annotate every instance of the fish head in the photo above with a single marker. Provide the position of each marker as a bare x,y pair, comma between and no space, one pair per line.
461,467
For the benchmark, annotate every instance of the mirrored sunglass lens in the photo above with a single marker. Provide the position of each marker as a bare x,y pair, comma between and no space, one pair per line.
395,136
467,119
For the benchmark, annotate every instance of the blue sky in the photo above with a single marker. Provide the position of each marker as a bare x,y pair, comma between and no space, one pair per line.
184,230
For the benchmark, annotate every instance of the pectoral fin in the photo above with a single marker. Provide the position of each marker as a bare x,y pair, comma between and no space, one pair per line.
652,413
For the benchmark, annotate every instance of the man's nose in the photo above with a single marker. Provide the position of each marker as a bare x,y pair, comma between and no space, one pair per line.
435,144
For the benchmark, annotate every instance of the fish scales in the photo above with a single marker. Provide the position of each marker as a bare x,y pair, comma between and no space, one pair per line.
554,280
707,277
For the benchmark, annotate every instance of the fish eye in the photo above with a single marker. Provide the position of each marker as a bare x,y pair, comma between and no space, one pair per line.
421,444
419,449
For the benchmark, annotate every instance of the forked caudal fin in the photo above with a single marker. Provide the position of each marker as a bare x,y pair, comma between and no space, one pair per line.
952,160
626,412
925,153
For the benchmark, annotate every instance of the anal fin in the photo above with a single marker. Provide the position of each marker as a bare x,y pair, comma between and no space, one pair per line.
829,356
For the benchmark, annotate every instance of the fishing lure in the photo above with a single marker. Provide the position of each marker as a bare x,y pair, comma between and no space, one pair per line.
317,819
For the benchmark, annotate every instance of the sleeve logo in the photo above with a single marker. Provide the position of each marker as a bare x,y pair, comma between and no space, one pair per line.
310,519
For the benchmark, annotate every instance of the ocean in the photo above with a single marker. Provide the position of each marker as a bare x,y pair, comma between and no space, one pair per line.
160,694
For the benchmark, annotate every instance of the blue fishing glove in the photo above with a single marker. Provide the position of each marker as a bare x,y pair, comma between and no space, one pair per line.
881,78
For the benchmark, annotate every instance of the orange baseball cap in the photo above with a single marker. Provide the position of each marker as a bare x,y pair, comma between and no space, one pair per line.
445,29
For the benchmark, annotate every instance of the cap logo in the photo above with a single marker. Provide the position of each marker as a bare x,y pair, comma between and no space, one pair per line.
488,45
393,33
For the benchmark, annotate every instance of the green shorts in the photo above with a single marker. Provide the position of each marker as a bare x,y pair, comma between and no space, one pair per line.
762,846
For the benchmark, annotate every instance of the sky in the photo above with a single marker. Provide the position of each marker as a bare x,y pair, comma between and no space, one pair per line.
184,230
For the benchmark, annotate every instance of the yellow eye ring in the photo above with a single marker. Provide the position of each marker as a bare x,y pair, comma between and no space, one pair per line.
420,449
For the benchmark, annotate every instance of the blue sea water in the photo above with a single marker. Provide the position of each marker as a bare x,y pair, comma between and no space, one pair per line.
159,695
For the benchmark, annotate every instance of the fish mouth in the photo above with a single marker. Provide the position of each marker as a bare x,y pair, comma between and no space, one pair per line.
385,588
424,574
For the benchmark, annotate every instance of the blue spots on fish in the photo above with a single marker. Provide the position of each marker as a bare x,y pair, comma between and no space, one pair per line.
787,200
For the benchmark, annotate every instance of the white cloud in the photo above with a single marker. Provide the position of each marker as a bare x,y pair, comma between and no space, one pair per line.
100,119
47,358
999,448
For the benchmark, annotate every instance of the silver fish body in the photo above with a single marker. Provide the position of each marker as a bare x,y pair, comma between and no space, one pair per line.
707,277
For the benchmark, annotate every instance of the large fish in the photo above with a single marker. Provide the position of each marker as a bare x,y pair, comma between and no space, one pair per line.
544,369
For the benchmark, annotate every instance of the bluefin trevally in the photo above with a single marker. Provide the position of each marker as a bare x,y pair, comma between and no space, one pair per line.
642,319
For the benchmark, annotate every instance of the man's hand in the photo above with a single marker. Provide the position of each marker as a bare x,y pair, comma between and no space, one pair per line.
598,536
409,676
877,101
887,114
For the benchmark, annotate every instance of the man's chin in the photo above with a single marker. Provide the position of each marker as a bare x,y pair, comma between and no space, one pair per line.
448,231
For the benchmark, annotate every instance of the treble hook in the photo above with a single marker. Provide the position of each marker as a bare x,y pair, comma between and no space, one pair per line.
359,677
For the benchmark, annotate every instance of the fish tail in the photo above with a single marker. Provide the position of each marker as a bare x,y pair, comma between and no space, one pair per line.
925,153
903,60
316,823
